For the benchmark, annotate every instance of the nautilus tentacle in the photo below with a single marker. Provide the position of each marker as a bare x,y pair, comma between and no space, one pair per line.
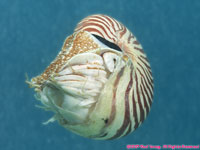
100,85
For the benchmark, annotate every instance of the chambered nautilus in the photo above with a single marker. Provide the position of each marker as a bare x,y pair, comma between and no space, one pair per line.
100,85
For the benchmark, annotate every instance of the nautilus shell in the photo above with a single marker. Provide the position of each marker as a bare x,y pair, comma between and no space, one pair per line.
100,85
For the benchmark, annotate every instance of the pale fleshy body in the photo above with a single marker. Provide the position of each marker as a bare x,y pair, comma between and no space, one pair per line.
100,85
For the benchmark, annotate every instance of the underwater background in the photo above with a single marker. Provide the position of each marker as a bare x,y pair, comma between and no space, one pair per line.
32,33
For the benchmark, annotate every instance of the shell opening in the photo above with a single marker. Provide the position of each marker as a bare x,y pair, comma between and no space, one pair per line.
73,92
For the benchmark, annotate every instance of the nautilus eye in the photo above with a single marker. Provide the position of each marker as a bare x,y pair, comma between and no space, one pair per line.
100,85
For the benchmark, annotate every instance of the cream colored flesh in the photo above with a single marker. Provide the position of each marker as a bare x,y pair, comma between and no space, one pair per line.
76,87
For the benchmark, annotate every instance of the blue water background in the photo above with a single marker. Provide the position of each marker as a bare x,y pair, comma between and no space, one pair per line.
32,33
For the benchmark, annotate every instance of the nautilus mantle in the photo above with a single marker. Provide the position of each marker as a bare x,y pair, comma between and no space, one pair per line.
100,85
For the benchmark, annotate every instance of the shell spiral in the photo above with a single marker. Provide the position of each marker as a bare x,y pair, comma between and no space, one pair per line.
100,85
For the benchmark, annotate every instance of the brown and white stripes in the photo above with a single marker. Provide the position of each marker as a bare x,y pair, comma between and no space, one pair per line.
138,93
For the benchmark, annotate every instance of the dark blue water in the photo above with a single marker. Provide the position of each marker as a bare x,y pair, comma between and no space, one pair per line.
32,33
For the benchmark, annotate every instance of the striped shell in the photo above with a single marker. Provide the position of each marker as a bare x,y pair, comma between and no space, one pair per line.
100,85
